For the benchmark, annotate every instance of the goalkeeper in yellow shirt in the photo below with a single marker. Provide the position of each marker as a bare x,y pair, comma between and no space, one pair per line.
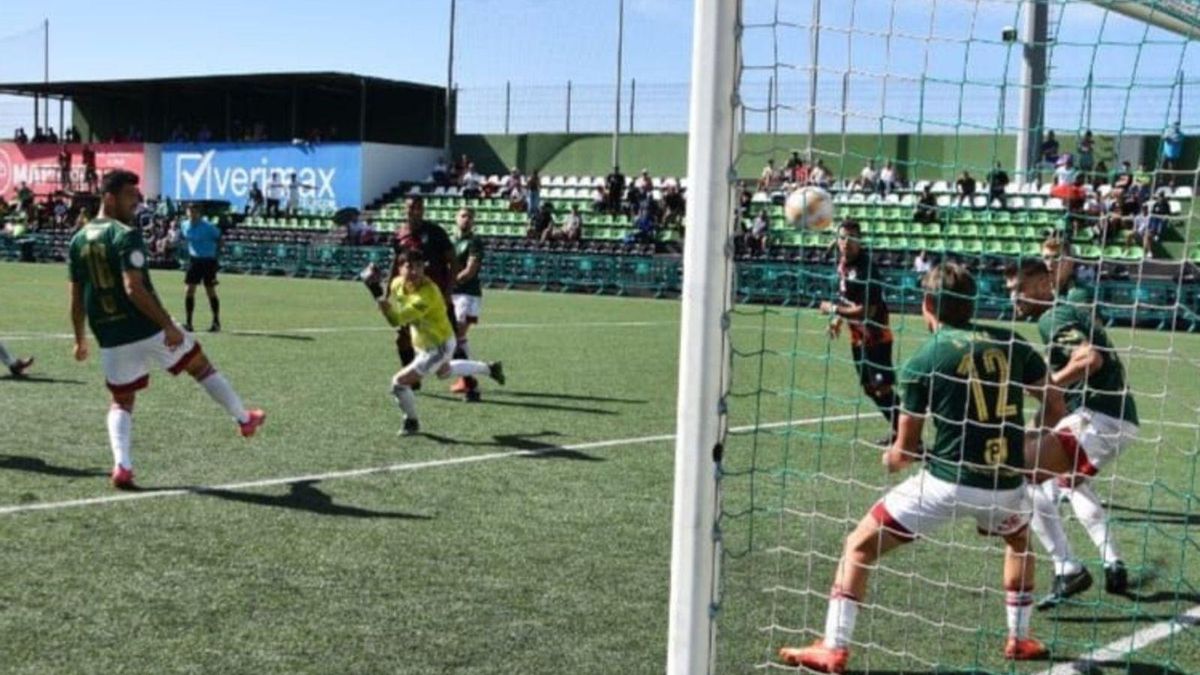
416,302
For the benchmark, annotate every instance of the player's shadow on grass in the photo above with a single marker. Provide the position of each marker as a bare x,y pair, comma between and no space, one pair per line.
305,496
1140,515
38,465
39,379
490,399
535,448
272,336
569,397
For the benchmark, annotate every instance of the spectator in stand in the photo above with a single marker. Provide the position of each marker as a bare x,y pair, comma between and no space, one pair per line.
1143,182
471,182
62,212
512,182
1049,149
770,179
922,263
1172,148
644,183
819,175
599,199
533,192
293,193
204,135
965,187
1074,197
674,205
1086,153
276,190
997,180
645,229
1124,178
64,168
745,200
571,229
25,198
460,168
799,172
793,162
541,225
757,236
1099,175
19,137
90,178
887,178
633,199
1064,174
867,177
51,137
927,207
489,189
516,199
254,200
614,187
440,173
178,134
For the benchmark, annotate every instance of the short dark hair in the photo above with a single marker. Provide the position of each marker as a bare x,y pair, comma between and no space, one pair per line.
116,180
952,289
416,199
852,226
410,256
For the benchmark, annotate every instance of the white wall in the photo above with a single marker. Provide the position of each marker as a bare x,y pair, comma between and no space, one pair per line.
384,165
151,183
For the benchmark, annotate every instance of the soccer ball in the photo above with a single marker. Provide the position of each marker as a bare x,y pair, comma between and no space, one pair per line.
810,208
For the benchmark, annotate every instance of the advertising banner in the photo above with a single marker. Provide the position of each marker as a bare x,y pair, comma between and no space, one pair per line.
36,165
329,174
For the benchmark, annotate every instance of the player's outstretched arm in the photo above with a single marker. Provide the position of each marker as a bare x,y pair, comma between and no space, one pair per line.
75,290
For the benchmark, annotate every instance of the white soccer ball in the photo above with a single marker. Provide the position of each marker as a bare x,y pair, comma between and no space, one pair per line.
809,208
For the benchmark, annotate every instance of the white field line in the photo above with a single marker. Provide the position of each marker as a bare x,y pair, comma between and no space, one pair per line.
390,468
33,335
1116,650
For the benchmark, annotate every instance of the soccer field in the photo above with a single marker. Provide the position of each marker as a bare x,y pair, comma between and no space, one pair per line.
527,534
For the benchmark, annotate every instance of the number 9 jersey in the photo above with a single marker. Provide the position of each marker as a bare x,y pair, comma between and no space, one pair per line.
101,252
971,378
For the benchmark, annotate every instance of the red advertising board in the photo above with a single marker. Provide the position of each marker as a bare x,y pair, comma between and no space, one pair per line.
37,164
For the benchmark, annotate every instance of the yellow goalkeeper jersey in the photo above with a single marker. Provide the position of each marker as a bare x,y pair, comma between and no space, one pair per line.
424,310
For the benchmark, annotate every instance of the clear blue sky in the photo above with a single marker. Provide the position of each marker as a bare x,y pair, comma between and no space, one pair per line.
544,43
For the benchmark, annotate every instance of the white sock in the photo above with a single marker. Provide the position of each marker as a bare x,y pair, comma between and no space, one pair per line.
839,619
120,432
461,368
1091,513
1047,525
5,357
405,399
1019,607
218,388
465,347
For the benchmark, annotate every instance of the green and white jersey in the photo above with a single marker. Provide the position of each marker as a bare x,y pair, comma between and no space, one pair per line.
100,253
1068,325
464,249
971,380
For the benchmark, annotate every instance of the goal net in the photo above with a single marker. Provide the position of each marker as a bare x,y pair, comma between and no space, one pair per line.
891,97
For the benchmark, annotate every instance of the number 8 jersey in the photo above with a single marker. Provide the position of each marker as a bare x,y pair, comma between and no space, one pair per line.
971,379
101,252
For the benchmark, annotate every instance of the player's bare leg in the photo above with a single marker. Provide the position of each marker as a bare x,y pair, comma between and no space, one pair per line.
1019,563
16,366
219,389
1051,456
866,544
120,439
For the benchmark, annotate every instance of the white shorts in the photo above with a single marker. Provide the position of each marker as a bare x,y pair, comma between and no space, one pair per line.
466,308
127,367
428,363
1100,436
923,503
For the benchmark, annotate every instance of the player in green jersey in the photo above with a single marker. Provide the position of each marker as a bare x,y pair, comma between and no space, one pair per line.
1102,420
972,379
110,288
467,296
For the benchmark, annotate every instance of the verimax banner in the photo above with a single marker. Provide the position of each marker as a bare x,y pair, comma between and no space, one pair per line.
329,175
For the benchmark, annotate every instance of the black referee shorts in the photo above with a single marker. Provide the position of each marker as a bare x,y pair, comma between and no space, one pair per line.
202,271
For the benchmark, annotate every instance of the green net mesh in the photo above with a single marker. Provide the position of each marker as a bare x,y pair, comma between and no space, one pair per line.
935,89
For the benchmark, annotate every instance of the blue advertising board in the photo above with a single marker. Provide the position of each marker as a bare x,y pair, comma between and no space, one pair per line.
330,174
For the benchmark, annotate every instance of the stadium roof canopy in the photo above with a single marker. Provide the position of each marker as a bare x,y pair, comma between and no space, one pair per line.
361,108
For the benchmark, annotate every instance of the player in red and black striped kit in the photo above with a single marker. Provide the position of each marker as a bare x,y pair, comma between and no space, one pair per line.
441,266
861,305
